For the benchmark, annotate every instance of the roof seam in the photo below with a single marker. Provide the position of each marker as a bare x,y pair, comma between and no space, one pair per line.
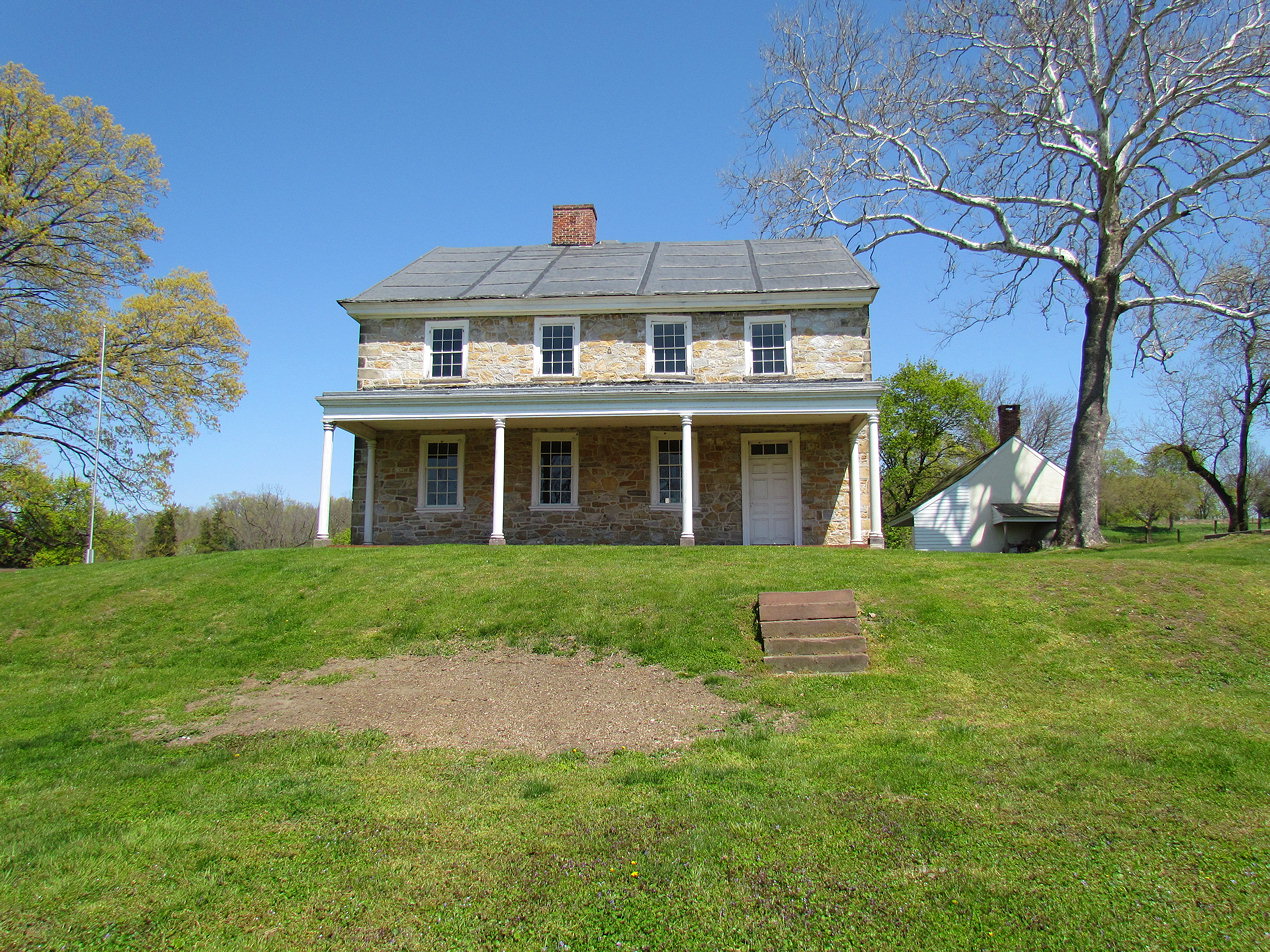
494,267
543,273
648,268
749,250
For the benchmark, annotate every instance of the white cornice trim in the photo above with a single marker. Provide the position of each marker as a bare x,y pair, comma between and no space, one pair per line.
815,399
612,304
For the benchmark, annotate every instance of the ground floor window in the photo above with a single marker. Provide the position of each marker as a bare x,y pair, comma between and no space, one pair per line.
666,465
555,477
441,472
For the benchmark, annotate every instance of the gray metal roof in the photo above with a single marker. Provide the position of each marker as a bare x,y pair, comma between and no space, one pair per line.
618,268
1026,511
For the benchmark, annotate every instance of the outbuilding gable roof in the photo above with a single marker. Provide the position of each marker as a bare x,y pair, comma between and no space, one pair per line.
905,518
618,268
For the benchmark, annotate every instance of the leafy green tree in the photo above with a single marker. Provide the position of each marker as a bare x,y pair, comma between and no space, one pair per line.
44,520
931,422
214,534
163,542
74,194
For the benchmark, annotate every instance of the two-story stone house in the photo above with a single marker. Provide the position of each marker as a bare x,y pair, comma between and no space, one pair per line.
655,393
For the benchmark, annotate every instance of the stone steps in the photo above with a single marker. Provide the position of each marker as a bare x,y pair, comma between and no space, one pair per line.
812,632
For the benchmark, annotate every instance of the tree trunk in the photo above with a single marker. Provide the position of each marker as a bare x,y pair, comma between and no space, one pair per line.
1082,489
1191,457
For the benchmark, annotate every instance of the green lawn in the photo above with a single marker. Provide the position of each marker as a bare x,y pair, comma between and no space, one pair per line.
1055,751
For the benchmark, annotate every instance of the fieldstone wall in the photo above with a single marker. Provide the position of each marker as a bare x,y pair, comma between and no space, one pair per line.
614,487
826,344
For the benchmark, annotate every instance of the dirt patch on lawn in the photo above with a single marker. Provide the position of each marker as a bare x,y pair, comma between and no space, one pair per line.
500,699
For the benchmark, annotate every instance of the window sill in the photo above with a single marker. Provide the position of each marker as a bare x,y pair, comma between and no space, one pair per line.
430,509
748,378
656,376
539,507
556,378
428,380
671,507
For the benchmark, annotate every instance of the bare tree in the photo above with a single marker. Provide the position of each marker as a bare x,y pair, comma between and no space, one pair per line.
1045,417
1087,150
1212,404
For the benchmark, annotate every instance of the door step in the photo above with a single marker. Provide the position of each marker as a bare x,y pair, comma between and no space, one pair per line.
811,632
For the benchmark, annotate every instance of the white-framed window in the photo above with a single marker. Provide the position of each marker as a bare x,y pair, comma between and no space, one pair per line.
555,471
767,348
668,348
556,342
446,344
441,472
666,466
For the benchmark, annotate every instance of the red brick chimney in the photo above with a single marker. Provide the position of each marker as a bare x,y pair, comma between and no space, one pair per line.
1007,421
573,224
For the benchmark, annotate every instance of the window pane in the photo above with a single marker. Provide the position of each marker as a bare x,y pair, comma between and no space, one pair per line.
555,473
767,343
669,472
557,349
447,352
441,486
769,449
670,349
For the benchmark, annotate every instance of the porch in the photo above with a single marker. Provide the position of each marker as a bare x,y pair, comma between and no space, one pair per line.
656,465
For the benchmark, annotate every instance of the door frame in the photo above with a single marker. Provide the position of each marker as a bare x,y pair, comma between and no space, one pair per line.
747,439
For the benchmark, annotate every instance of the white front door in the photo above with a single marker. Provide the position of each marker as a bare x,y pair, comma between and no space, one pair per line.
771,480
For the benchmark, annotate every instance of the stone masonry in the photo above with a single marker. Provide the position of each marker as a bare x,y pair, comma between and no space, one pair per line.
825,344
614,489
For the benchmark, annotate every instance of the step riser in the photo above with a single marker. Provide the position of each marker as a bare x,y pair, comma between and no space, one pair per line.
817,664
814,610
804,598
814,626
849,644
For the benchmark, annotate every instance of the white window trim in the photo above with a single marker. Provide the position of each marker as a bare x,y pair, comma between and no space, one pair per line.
653,437
535,485
421,499
428,328
750,321
747,439
576,324
649,357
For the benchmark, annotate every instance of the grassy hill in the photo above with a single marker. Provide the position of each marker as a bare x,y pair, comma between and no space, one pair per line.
1057,751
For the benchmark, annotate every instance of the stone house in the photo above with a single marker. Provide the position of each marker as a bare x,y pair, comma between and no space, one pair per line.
607,392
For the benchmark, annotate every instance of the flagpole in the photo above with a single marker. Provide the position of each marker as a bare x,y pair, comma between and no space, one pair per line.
89,555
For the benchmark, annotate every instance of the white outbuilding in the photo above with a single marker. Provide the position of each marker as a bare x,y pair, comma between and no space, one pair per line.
1003,501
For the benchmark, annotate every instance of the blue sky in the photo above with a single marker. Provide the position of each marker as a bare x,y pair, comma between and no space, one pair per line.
314,148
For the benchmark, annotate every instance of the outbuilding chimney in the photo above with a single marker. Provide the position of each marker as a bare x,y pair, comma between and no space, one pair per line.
573,224
1007,421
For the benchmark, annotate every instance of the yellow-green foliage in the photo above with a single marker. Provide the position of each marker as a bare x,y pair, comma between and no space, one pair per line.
74,195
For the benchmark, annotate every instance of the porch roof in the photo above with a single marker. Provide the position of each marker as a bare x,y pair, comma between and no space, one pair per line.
368,412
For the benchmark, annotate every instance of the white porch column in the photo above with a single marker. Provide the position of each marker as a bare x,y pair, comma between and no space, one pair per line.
324,503
857,528
368,498
686,536
500,463
876,539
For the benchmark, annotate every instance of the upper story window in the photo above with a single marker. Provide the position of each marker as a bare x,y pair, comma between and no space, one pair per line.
767,344
447,348
669,345
556,346
440,472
